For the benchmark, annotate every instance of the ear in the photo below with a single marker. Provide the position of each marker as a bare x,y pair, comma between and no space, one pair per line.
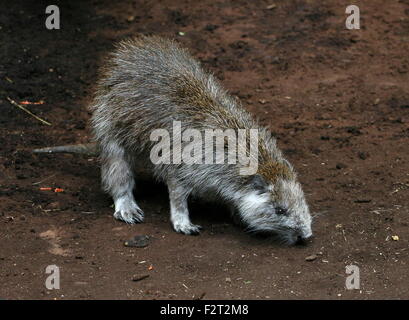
258,182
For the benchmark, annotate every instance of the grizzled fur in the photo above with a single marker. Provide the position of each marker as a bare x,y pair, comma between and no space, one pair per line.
149,82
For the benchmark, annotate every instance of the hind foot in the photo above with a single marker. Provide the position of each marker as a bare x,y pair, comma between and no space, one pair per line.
127,210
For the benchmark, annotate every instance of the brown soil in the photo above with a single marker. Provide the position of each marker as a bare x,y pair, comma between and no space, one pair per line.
337,100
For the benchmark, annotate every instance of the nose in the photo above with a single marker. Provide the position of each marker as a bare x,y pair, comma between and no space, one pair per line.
302,240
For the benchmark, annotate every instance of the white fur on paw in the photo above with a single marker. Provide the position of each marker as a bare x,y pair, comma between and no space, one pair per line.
127,210
183,225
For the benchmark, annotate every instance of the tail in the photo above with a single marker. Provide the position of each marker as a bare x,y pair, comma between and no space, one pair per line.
89,149
92,149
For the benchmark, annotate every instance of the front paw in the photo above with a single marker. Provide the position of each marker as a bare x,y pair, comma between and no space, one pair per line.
187,228
128,211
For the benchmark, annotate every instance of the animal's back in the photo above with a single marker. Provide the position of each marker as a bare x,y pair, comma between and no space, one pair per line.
150,82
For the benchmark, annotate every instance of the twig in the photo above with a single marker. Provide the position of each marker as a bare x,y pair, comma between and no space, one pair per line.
27,111
44,179
343,233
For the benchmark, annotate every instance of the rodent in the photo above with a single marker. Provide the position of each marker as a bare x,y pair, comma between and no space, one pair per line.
149,82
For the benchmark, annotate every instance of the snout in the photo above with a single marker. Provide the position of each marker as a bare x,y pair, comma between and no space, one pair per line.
295,238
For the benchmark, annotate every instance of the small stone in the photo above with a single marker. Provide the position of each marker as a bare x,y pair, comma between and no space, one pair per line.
340,166
362,155
376,102
130,18
275,60
228,280
139,278
311,258
362,200
271,6
395,238
211,27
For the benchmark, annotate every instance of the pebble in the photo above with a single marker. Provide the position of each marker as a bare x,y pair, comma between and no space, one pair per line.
139,278
311,257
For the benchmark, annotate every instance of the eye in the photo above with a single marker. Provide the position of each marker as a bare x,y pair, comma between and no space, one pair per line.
280,210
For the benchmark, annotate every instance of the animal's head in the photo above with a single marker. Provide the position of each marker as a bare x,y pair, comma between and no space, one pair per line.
277,208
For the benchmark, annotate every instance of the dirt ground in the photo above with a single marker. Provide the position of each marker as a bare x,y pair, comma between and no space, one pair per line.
337,100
